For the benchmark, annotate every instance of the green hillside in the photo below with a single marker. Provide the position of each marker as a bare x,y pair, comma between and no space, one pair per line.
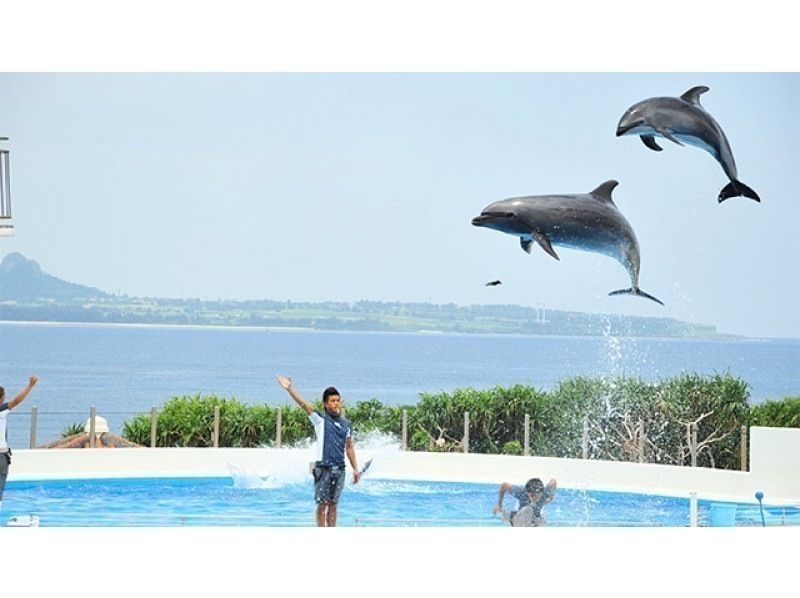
28,294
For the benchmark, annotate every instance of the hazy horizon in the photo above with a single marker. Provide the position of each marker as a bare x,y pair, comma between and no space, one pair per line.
349,187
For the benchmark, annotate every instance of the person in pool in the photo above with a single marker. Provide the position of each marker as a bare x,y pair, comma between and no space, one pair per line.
531,498
333,440
5,450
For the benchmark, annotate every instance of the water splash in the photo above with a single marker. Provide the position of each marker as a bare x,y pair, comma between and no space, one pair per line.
292,466
612,371
376,441
248,479
613,351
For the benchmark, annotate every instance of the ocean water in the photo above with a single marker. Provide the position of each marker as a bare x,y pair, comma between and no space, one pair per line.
125,370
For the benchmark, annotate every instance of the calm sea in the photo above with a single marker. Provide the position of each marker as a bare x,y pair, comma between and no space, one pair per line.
124,370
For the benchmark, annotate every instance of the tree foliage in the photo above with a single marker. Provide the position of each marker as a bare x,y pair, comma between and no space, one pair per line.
779,414
622,419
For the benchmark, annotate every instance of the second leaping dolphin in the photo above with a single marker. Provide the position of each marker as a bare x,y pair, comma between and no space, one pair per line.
684,119
590,222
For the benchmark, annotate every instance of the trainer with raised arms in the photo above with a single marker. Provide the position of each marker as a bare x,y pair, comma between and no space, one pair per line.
5,450
333,440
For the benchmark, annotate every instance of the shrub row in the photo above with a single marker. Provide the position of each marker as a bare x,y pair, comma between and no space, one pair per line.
624,417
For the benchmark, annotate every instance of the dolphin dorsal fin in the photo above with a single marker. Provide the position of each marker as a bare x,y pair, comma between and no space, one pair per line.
603,191
693,95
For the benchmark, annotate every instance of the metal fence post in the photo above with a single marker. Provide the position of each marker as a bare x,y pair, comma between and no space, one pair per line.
34,413
216,426
693,509
585,439
278,427
526,447
466,432
693,445
744,447
153,426
641,441
92,416
404,431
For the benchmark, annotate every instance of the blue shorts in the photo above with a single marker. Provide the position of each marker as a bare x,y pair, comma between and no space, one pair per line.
328,483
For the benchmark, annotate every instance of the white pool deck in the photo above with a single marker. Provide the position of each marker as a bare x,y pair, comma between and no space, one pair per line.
774,468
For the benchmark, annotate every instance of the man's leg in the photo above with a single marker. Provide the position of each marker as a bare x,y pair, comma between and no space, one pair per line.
337,483
321,514
331,519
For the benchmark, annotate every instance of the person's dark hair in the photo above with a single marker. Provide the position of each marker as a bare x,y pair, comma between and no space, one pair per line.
2,393
329,392
534,485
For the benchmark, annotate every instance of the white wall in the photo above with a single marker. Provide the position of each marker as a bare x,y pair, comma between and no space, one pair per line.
774,461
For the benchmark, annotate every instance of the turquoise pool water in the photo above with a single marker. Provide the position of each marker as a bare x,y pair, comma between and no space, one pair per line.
232,501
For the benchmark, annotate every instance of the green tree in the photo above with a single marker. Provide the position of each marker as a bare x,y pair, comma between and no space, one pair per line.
777,414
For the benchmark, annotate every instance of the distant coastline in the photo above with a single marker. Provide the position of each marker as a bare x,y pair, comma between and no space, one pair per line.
284,329
27,294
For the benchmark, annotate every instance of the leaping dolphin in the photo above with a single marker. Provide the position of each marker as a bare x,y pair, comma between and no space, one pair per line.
590,222
684,119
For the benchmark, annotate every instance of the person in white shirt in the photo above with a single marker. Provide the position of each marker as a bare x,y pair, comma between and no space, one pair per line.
5,450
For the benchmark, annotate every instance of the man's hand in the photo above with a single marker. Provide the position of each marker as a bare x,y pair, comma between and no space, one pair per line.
32,381
497,509
356,476
286,383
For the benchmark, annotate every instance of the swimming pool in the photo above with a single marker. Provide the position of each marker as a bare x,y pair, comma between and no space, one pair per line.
243,500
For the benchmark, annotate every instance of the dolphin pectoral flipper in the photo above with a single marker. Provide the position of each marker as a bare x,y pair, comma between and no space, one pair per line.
526,244
636,291
669,136
544,243
650,142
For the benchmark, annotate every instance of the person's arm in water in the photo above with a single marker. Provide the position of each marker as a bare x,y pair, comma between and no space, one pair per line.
23,393
350,450
504,487
550,490
286,384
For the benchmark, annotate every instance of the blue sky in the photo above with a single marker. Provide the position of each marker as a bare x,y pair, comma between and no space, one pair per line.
312,187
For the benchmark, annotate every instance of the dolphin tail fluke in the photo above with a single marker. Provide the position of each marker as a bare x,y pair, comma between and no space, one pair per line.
737,189
636,291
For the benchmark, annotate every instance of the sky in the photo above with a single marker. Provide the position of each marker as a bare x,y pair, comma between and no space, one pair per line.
362,186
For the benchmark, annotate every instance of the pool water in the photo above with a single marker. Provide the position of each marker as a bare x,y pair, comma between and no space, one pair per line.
253,501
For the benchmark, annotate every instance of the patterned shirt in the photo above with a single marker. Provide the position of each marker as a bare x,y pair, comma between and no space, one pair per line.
332,434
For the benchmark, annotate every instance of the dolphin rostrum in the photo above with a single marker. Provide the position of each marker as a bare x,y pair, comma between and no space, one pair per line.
684,119
590,222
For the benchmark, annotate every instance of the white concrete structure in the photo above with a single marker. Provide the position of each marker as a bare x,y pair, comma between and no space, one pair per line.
774,468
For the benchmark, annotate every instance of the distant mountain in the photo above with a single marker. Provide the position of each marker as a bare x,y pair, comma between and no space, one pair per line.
22,279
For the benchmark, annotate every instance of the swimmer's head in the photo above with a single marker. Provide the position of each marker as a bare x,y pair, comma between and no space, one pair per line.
534,486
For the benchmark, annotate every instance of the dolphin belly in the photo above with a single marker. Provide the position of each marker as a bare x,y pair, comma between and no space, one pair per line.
593,239
698,142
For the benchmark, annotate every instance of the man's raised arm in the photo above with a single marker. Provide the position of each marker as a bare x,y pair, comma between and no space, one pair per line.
23,393
286,384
